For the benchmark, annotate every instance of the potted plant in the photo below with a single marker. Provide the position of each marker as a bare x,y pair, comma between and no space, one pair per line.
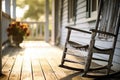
17,31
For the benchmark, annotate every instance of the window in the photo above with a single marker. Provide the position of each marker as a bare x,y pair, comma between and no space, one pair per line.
94,5
3,5
91,8
71,10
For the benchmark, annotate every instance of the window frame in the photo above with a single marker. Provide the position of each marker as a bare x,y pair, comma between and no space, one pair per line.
89,8
72,4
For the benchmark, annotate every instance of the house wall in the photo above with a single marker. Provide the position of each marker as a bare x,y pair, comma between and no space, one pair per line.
116,59
5,23
83,23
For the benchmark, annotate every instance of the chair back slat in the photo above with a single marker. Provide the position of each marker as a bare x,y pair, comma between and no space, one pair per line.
108,17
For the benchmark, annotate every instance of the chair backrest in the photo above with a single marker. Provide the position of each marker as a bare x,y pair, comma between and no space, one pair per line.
108,16
108,20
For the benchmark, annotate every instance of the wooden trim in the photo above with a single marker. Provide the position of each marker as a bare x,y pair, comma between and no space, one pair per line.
5,42
84,20
61,14
72,4
30,22
102,32
0,37
6,15
71,28
88,15
89,9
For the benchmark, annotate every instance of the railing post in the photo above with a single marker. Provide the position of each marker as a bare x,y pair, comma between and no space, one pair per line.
33,31
53,26
0,37
36,30
41,25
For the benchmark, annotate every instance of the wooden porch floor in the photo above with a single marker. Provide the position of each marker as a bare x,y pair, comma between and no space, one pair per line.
36,60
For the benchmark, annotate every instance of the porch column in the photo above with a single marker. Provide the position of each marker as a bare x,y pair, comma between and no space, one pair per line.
53,23
7,7
0,37
56,21
14,9
46,20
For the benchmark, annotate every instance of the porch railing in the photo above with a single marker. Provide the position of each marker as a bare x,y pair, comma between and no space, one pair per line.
36,30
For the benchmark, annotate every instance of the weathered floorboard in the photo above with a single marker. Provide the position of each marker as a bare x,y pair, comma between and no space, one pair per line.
36,60
15,74
48,71
37,71
26,68
8,68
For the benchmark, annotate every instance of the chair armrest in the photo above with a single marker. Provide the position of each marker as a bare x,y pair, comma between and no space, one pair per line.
102,32
84,31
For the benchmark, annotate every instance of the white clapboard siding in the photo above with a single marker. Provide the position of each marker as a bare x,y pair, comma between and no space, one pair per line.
64,21
83,9
116,59
80,14
5,24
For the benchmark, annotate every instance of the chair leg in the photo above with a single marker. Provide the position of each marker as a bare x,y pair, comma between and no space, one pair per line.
65,49
64,55
87,64
89,56
109,63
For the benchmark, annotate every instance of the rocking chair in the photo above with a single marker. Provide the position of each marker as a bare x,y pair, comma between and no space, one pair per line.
106,29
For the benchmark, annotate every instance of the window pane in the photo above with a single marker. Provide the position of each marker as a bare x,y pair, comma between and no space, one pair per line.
94,5
71,10
88,3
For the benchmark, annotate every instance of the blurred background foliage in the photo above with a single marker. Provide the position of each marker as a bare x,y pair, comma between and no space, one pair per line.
35,10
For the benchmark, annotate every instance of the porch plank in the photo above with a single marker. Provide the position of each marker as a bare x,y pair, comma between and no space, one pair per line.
37,61
26,68
57,70
37,71
6,53
61,73
8,68
16,71
48,72
4,60
64,74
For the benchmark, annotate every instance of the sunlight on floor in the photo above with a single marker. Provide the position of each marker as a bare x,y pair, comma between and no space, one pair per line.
36,60
38,49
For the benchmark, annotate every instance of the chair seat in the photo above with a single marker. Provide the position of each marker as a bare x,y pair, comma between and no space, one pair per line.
78,45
